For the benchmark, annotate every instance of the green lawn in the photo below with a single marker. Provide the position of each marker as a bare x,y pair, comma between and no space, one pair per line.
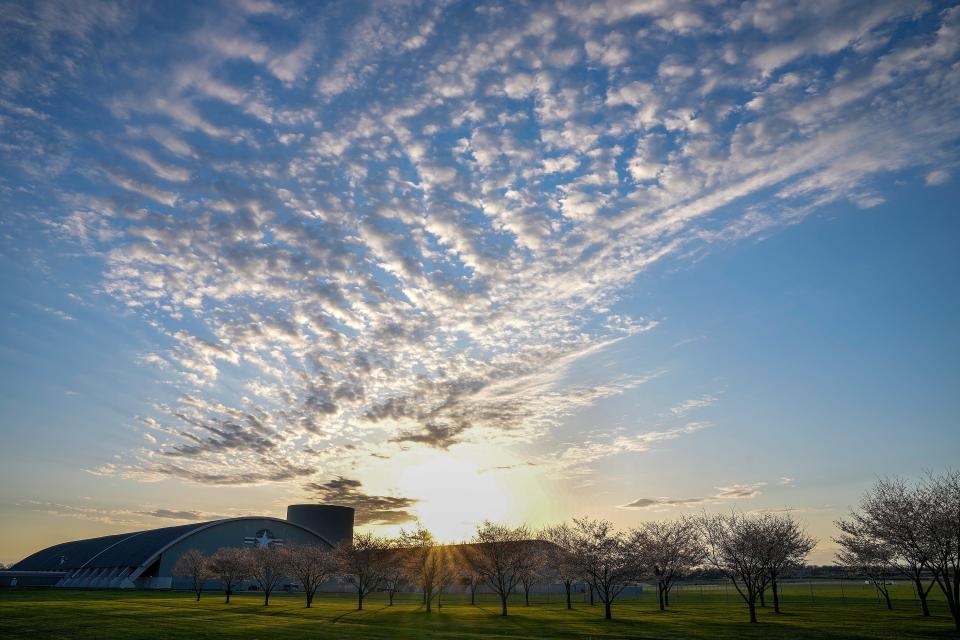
697,612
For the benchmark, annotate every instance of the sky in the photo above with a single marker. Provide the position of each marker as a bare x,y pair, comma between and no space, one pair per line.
452,261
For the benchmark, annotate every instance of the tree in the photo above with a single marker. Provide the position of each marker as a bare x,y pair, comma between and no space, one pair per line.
737,545
560,552
498,555
532,568
362,562
865,554
941,499
310,565
428,565
394,571
605,560
469,577
897,514
193,564
268,568
789,546
667,550
231,566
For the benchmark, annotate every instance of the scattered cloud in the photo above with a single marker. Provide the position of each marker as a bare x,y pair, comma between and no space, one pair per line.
368,509
424,259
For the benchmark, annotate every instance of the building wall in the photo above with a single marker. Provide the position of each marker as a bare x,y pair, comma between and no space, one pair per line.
232,533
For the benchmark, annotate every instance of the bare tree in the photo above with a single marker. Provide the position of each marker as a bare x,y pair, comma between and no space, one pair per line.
605,560
789,547
362,562
737,545
310,565
941,496
561,559
898,515
865,554
498,555
532,568
469,578
193,564
231,566
395,570
668,549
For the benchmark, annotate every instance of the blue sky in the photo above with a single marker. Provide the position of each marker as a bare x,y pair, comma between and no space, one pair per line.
637,258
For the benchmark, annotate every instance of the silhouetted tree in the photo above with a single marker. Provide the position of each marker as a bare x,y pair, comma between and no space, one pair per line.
469,577
789,546
193,564
532,569
362,562
310,565
428,565
561,557
941,500
499,556
668,549
605,560
231,566
738,545
394,571
866,554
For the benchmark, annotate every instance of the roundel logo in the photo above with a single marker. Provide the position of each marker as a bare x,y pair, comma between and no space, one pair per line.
264,538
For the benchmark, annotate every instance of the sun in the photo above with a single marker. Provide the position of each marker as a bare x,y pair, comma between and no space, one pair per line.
456,491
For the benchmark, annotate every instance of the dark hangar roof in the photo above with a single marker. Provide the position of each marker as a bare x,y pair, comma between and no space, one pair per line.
122,550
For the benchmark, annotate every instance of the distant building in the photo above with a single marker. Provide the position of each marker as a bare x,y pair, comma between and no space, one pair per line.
145,559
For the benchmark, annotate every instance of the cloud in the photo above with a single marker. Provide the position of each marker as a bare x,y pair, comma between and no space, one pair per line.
937,177
437,254
187,516
368,509
722,494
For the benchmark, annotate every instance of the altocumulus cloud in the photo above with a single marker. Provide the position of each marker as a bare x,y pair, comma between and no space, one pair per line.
400,224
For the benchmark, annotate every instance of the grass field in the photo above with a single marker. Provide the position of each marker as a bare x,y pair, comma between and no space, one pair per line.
697,612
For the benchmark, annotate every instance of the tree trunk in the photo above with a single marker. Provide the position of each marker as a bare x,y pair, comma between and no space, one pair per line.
359,600
606,610
198,596
266,598
886,596
228,596
473,595
309,599
752,604
776,596
503,605
666,595
763,597
429,601
922,595
660,596
591,594
526,596
566,586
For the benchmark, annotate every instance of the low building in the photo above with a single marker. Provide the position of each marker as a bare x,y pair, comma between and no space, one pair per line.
145,559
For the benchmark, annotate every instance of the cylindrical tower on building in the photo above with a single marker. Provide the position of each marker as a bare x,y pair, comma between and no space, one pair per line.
333,523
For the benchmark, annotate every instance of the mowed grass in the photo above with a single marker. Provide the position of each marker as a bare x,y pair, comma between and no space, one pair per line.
707,612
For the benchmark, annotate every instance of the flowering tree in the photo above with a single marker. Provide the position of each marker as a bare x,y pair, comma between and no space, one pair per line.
193,564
